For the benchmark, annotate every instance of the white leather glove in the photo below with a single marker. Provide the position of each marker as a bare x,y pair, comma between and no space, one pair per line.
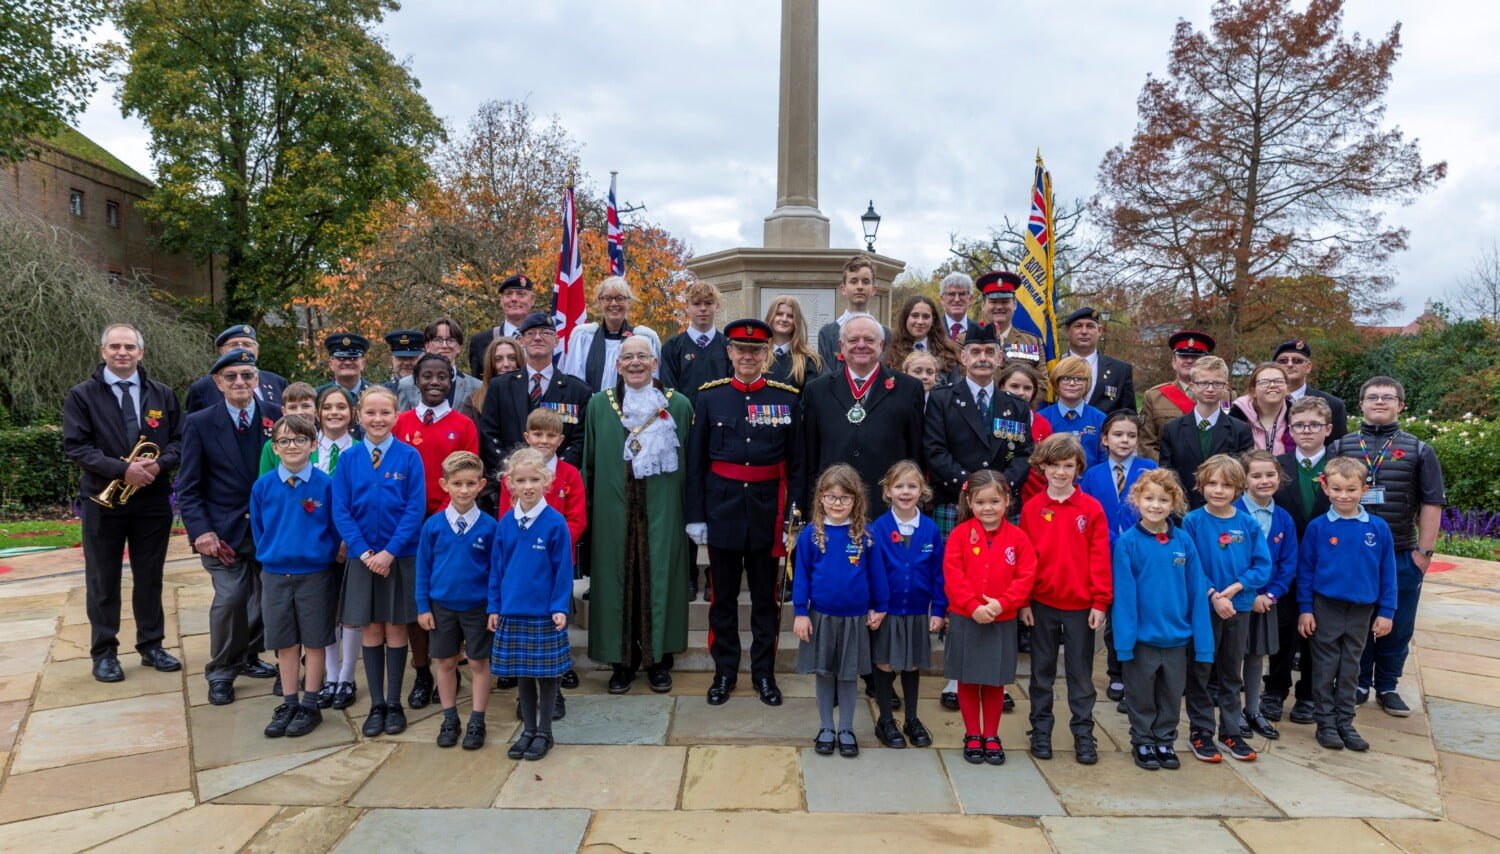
698,532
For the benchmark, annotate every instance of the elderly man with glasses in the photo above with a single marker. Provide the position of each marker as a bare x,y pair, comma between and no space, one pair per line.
1295,357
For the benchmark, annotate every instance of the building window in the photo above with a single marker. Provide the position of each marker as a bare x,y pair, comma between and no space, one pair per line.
112,214
75,202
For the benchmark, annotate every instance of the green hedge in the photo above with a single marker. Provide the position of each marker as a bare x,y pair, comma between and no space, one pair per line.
1469,451
35,473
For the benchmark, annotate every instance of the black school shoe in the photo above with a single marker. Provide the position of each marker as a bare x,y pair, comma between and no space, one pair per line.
559,708
505,683
569,679
395,720
824,743
659,679
422,691
1328,737
1146,757
889,735
1167,757
1352,739
949,700
1260,726
344,694
620,679
1115,691
848,745
540,744
280,718
257,669
1271,708
870,692
375,723
1085,750
917,734
325,695
1041,744
973,750
518,749
304,720
448,732
1302,712
474,734
108,669
994,751
1010,702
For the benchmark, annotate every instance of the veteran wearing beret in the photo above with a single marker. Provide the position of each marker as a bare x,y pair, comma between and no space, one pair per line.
204,393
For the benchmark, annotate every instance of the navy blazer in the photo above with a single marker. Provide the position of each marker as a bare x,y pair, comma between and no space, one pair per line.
1099,482
213,481
1180,452
507,402
1114,376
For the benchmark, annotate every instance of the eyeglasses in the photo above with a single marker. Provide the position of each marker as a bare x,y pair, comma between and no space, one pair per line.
1292,362
614,298
293,442
1307,426
1210,384
636,357
538,333
1381,398
1269,383
238,376
836,500
1072,381
443,341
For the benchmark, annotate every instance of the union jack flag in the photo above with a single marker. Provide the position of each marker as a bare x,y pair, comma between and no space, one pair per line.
616,234
568,300
1040,216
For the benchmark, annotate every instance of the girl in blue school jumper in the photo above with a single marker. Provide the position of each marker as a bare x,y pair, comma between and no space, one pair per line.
379,501
531,591
912,550
1263,474
839,590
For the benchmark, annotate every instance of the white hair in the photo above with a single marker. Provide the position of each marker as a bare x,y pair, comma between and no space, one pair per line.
140,340
614,284
960,279
879,328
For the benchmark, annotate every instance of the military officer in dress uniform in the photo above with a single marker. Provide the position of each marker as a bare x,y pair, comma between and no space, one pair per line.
744,467
998,289
204,393
346,362
1168,401
973,425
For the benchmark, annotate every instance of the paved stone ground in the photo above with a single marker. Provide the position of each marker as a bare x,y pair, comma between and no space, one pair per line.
148,764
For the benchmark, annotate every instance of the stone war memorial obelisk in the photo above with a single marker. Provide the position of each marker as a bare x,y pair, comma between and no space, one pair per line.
796,258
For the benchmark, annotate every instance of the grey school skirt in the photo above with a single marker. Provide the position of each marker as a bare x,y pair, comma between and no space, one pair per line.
840,647
1262,638
980,654
902,642
369,598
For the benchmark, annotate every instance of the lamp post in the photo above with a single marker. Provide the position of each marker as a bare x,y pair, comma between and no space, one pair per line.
870,221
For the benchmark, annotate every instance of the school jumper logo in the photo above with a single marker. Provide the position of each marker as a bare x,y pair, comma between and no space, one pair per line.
1010,554
1370,538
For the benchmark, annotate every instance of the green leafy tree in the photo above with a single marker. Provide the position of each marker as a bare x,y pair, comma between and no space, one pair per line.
48,68
276,127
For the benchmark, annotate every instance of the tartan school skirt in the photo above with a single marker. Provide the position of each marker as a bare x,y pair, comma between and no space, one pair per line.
530,647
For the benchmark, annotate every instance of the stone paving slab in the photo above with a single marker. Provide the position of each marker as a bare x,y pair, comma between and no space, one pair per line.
877,781
1428,639
1092,835
228,778
1115,787
38,627
24,656
738,777
1464,687
1295,836
1475,778
90,784
1405,780
605,719
1300,792
80,829
74,641
1480,815
324,782
302,829
425,775
101,731
10,722
72,683
744,720
1465,728
19,686
228,735
1461,662
1432,837
539,831
598,777
1016,788
210,827
759,832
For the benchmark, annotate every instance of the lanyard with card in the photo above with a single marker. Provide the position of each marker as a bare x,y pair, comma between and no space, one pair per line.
1375,494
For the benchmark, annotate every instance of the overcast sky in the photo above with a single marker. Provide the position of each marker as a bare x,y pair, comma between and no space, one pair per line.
933,110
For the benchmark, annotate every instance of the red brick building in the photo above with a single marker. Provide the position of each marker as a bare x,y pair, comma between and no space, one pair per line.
74,184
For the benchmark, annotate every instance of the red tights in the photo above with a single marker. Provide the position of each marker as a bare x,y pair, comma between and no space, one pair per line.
973,698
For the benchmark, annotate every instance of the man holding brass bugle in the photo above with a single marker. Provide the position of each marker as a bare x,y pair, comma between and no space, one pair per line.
124,430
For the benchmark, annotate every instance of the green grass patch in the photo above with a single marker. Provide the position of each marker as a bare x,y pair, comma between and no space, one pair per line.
1482,548
61,533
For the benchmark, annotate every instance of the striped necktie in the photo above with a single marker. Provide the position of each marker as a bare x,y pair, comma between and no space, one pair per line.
536,387
1119,479
427,419
375,456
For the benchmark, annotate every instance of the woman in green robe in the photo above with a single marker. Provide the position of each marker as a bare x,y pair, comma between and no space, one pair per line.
633,463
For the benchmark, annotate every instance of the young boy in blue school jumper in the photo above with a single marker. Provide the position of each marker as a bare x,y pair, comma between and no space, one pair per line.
453,580
1346,571
291,519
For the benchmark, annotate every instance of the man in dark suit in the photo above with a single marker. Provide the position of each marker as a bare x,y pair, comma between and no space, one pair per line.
1302,497
516,299
1111,381
972,425
862,414
956,292
698,354
1207,430
103,417
221,449
203,393
1295,358
511,397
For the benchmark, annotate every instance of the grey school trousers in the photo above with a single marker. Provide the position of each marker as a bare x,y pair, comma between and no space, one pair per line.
1336,647
1154,682
1220,684
1070,630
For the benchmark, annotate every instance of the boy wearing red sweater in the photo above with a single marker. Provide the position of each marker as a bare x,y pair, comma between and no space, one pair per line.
1073,588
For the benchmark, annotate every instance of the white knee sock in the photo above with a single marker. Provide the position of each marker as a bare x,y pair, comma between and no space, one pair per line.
331,661
351,640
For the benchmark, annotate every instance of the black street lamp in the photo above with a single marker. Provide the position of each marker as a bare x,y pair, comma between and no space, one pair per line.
870,220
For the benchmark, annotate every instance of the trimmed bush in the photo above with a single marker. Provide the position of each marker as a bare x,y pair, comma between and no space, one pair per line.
1469,450
35,474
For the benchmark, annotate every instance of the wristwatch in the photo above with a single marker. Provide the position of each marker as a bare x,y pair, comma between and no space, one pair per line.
1426,552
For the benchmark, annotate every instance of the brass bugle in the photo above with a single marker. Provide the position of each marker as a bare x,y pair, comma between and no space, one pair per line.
119,492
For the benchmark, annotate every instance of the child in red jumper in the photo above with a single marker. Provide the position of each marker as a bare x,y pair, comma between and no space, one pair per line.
544,431
988,567
1074,586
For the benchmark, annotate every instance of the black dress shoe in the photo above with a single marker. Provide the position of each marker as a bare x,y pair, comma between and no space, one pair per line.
569,679
281,716
344,694
994,751
1085,750
1302,712
917,734
375,723
949,700
1260,726
1115,692
1145,757
769,693
1167,756
518,749
660,679
888,734
620,679
1010,702
1041,744
719,691
559,707
257,669
1352,739
540,744
824,744
848,744
448,732
421,691
505,683
1271,707
474,734
395,720
325,695
108,669
304,721
221,692
973,750
160,659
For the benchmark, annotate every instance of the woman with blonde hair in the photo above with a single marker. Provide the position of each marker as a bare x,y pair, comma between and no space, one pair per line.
793,361
595,347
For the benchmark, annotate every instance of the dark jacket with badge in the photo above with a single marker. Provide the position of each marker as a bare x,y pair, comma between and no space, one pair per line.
219,466
1181,451
685,366
890,431
1289,494
959,440
1409,475
93,433
755,427
203,393
1114,388
507,402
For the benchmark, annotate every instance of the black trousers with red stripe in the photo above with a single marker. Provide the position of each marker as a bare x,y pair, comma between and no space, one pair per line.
725,567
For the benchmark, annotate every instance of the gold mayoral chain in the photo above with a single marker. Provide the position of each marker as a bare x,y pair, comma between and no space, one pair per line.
633,442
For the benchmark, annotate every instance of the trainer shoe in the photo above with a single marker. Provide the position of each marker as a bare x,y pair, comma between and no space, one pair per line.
1329,737
1393,705
1239,748
1203,746
1115,691
1361,696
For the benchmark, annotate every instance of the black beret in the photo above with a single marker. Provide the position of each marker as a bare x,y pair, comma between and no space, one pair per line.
232,358
239,330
